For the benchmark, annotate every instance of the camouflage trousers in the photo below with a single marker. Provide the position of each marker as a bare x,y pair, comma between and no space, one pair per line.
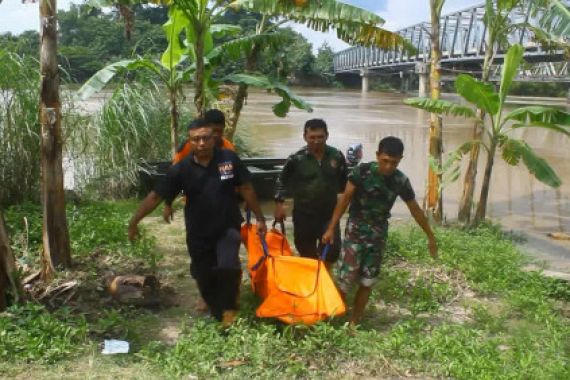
363,249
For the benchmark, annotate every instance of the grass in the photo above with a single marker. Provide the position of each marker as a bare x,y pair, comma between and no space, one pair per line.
473,314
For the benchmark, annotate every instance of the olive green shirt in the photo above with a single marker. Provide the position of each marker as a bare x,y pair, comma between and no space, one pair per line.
313,185
376,193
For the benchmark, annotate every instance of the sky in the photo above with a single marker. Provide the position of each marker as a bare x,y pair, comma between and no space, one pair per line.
16,17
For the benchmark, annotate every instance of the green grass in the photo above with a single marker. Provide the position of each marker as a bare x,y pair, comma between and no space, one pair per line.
30,334
472,314
93,226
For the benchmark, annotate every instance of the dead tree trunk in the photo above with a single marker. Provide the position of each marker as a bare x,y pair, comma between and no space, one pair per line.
56,249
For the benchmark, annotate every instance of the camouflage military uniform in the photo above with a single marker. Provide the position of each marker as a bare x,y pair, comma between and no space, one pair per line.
314,187
367,226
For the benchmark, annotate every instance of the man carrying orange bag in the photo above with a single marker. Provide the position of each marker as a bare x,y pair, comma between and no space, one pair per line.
371,191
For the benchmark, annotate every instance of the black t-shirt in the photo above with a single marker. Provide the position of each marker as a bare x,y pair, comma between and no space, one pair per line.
212,204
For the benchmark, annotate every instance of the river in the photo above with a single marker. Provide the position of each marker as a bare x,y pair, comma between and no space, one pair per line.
517,200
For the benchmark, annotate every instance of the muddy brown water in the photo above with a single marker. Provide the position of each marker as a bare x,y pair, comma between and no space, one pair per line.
517,200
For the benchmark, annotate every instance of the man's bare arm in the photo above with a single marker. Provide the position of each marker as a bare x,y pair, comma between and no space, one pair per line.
248,193
422,221
339,210
148,204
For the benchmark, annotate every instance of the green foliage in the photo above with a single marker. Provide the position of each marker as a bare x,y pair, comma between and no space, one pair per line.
26,44
254,350
93,226
90,39
291,58
478,93
30,334
515,322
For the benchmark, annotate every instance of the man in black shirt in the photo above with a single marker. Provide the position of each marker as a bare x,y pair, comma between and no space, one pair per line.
209,177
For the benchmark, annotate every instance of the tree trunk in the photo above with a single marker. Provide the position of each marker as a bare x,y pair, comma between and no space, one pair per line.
250,65
173,122
8,280
200,96
56,249
482,206
434,196
466,202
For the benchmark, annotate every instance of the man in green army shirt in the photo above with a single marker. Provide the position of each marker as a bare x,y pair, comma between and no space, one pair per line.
313,176
371,191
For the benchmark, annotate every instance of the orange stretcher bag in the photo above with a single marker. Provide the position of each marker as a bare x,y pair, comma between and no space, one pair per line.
277,246
295,290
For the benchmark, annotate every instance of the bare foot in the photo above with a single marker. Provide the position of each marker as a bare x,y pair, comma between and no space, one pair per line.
201,305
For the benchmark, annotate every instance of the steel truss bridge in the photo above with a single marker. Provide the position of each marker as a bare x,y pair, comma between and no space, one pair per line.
463,48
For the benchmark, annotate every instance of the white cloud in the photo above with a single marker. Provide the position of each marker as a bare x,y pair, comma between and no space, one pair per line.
16,17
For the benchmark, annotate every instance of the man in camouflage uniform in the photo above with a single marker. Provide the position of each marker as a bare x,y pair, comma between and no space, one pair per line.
371,191
313,176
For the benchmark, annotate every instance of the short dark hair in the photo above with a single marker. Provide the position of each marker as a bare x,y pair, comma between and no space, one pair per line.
197,123
315,124
392,146
214,116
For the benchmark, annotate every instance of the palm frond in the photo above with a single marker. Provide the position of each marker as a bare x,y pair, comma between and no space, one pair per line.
235,48
515,150
100,79
440,107
554,16
552,127
540,114
288,97
354,25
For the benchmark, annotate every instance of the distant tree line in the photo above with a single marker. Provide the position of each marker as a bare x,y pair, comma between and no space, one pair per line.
89,39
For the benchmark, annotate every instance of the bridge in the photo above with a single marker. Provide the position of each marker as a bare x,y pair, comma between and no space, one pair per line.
463,48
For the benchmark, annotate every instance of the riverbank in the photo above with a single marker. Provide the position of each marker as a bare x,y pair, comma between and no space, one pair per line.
473,313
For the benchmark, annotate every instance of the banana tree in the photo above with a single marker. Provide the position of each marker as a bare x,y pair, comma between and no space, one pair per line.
498,25
553,30
498,127
352,24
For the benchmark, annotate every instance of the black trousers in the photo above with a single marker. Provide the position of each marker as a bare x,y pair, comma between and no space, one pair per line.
308,231
216,267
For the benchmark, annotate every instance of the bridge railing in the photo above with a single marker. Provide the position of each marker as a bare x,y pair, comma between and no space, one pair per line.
463,38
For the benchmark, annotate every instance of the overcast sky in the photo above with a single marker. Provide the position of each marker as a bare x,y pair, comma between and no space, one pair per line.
16,17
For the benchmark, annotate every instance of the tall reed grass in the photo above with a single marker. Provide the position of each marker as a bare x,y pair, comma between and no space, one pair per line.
131,130
19,129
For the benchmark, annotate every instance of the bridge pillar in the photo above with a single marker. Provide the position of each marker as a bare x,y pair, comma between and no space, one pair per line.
404,82
365,76
422,69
